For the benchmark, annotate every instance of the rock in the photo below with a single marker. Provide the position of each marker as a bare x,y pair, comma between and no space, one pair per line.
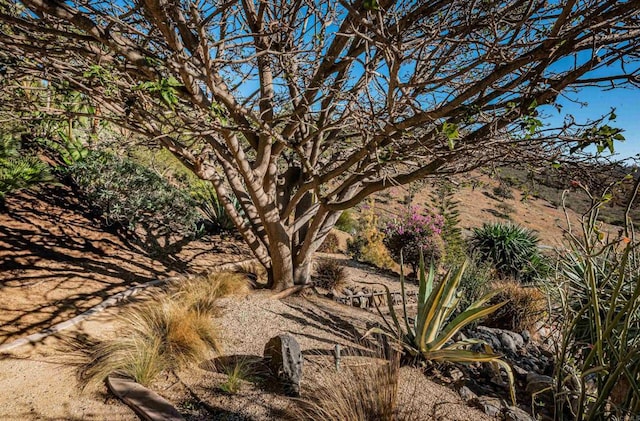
490,406
519,371
466,394
284,357
538,382
508,343
347,292
456,374
526,336
513,413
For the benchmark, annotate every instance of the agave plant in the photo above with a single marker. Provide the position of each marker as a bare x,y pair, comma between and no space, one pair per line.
430,334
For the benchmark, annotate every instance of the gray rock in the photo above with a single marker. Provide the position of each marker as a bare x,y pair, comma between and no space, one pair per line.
456,374
526,336
490,406
513,413
508,343
538,382
520,372
466,394
284,357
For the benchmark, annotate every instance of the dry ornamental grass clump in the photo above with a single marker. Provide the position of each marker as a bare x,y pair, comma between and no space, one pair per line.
363,389
524,307
173,330
330,275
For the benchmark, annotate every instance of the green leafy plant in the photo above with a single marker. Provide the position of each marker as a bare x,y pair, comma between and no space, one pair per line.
512,249
217,219
346,222
67,150
133,196
19,172
430,333
597,370
165,88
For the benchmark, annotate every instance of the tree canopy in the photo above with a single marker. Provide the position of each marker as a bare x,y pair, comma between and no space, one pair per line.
303,108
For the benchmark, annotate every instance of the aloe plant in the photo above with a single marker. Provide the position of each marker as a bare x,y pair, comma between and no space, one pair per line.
430,334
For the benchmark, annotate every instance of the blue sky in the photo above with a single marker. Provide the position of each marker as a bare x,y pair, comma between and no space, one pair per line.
626,101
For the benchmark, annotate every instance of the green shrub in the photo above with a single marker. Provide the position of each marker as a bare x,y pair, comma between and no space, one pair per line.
346,222
475,281
17,171
430,334
133,196
512,249
367,245
503,191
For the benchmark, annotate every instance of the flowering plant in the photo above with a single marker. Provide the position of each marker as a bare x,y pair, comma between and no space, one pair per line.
415,230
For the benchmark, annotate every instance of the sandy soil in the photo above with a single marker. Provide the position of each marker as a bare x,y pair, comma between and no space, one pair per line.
55,262
40,382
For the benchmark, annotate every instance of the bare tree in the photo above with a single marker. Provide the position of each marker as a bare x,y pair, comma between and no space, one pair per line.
303,108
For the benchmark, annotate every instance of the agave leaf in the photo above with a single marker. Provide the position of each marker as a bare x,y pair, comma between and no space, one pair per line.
484,299
427,313
461,356
445,299
456,294
464,343
507,368
461,321
398,329
410,331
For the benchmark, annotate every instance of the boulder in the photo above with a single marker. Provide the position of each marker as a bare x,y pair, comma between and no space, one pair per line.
513,413
467,394
284,357
490,406
538,382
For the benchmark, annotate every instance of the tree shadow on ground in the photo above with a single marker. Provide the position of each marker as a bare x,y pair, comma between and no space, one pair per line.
55,263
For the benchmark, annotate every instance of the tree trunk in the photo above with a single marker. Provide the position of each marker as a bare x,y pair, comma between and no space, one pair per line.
302,272
281,271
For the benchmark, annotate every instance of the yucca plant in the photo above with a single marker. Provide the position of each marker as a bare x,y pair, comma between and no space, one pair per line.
512,249
430,334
